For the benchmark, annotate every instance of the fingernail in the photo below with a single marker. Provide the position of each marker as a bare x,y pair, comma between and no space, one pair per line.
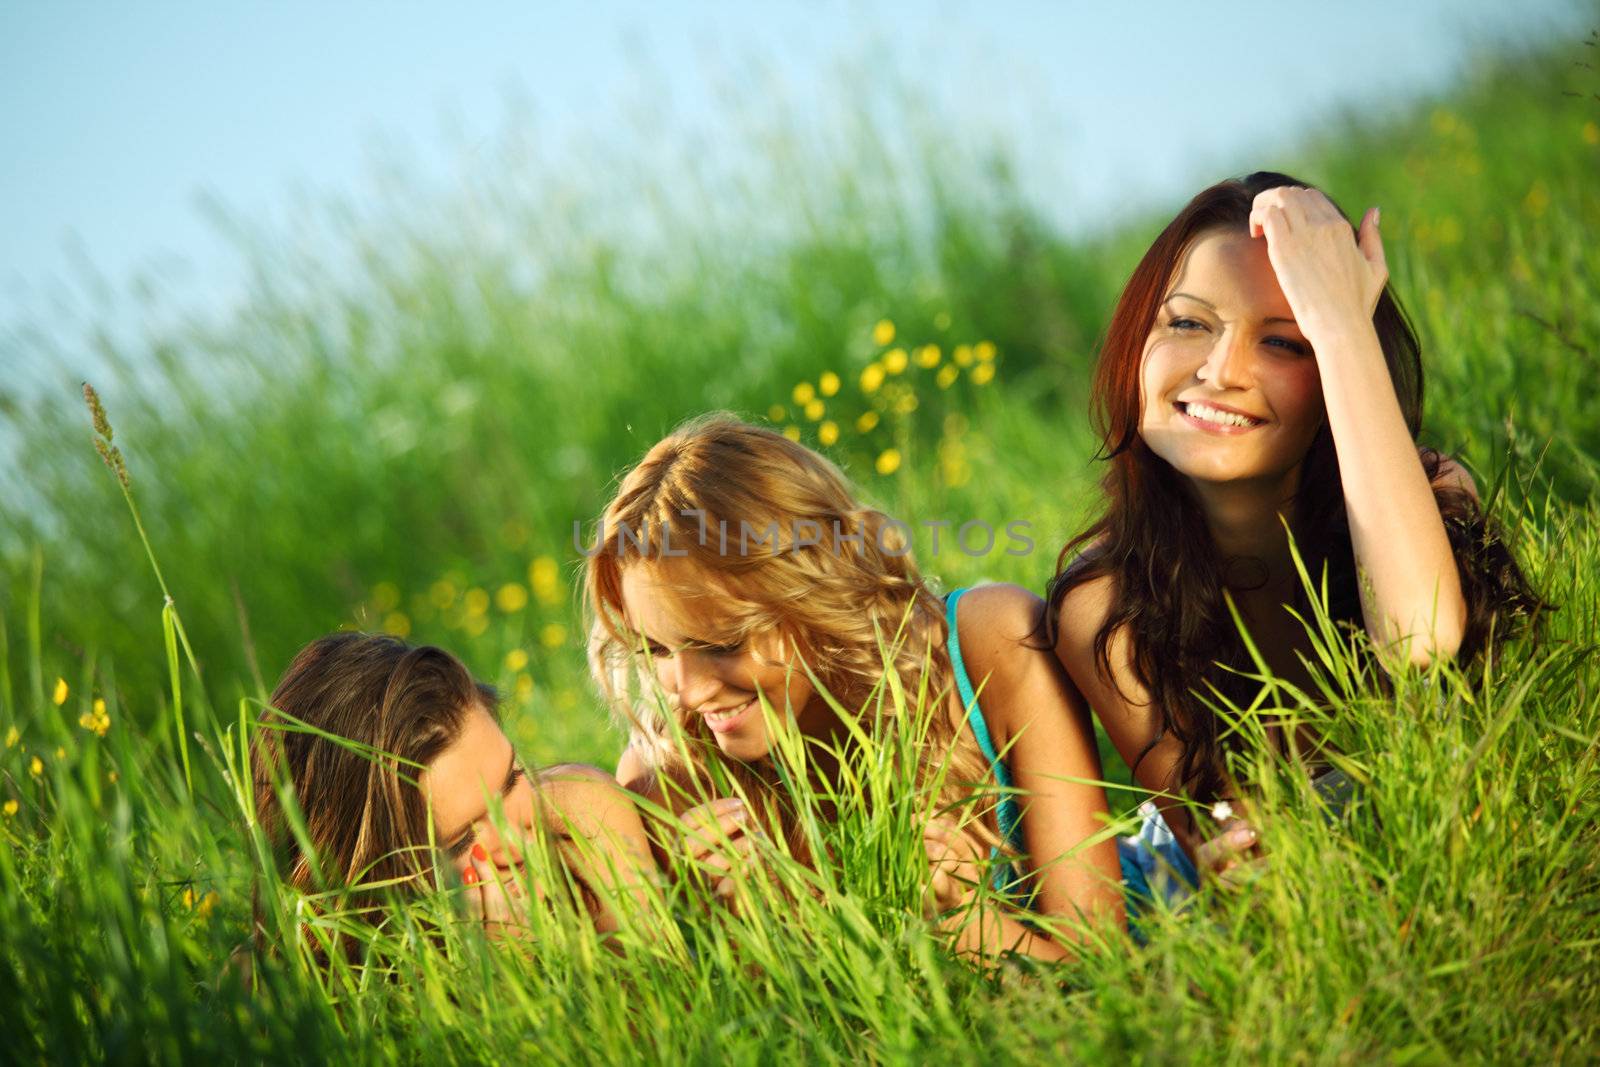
480,853
469,876
1377,216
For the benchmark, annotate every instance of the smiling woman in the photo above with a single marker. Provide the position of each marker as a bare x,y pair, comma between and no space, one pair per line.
1259,379
391,755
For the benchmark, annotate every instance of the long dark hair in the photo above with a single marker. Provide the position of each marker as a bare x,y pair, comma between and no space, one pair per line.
1153,541
364,816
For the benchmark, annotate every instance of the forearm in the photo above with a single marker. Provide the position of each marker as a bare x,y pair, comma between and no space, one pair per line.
989,930
1408,580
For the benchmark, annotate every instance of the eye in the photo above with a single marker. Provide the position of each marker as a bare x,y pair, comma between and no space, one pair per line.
655,651
1186,324
459,847
722,650
1291,344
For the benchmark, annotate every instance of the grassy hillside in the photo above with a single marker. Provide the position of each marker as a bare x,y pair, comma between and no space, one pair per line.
401,423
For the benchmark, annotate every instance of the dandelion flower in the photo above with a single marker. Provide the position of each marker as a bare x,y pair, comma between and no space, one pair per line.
804,393
792,432
11,808
962,355
511,598
476,602
985,351
983,374
524,687
12,737
888,461
516,659
872,377
385,596
1222,811
36,767
442,594
828,384
189,898
866,421
60,695
828,432
545,577
777,413
208,904
928,356
554,635
895,360
947,375
815,410
883,333
96,721
397,623
906,403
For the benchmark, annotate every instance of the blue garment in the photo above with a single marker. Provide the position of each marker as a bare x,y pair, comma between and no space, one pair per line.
1153,863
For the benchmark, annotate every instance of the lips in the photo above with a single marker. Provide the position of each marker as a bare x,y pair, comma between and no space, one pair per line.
1217,418
725,719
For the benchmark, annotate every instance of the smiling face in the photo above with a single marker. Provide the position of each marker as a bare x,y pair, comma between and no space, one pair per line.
1230,388
702,674
459,781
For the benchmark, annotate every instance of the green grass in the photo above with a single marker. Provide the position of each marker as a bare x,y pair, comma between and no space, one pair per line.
426,421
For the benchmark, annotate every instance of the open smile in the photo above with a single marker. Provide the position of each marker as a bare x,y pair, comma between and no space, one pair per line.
721,722
1218,420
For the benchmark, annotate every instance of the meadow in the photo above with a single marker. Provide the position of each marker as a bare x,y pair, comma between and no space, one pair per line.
419,394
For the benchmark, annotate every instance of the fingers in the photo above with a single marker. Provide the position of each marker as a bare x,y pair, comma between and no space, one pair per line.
1370,241
1221,853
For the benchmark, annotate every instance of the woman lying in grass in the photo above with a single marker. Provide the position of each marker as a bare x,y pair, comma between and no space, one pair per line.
1258,379
393,755
731,560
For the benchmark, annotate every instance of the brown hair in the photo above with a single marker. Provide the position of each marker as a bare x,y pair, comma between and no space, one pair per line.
1153,540
397,707
843,604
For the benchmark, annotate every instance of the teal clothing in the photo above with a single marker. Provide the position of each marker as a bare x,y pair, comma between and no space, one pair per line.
1153,864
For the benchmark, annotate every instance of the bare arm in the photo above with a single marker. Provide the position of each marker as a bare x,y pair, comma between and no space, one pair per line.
1410,588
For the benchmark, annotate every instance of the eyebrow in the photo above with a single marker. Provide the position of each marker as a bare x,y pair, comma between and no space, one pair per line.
1213,307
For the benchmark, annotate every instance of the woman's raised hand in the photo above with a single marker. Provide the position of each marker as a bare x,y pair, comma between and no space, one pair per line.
496,896
1332,276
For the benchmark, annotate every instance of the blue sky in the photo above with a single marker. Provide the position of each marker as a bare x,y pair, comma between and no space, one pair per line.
117,119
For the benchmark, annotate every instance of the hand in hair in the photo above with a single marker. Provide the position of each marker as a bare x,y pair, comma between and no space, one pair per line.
1331,276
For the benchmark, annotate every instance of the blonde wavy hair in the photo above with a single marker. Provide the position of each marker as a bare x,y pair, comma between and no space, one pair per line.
851,606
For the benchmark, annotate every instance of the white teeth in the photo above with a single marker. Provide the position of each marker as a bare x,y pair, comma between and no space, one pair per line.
724,716
1218,416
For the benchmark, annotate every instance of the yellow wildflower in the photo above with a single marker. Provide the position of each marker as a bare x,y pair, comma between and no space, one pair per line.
871,377
895,360
11,808
815,409
962,355
511,597
883,333
61,753
982,374
777,413
12,737
113,777
442,594
866,421
97,720
60,695
189,897
516,659
804,393
947,375
985,351
545,577
36,767
792,432
397,623
828,432
888,461
385,596
476,602
475,625
524,689
906,403
928,356
208,904
828,384
554,635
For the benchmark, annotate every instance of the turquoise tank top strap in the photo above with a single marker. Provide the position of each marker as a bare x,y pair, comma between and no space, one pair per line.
1007,813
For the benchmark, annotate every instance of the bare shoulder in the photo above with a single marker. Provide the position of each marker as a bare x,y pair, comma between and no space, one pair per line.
1452,475
997,614
1082,613
578,795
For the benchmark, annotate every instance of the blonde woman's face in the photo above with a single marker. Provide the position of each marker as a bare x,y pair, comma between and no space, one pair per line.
703,676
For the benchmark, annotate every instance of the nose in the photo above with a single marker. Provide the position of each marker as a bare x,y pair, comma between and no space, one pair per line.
1227,365
689,676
